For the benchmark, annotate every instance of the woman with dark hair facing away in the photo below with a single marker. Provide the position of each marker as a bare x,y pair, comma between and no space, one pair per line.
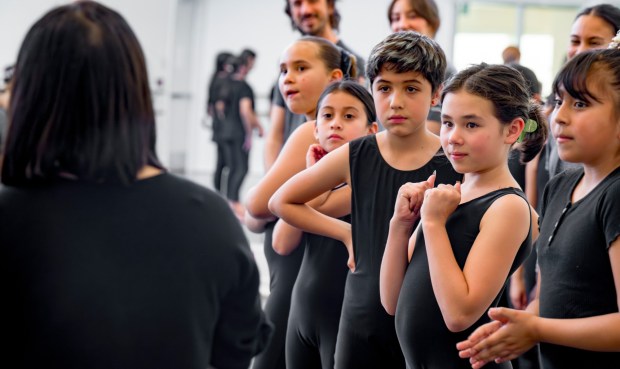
108,260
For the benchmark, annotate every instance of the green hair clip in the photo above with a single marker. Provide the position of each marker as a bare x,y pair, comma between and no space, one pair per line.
530,126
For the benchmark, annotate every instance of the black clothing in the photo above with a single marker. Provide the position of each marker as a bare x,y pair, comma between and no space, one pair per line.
283,272
422,331
231,155
366,337
316,303
157,274
229,134
573,255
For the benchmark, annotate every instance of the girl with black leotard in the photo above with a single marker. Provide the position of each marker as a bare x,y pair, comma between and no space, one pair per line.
345,112
307,66
440,281
576,316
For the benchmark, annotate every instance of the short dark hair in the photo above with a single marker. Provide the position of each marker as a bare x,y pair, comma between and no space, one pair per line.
356,90
408,51
607,12
81,100
426,9
334,19
507,90
246,55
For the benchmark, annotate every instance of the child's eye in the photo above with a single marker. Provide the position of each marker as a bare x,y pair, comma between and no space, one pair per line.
383,88
301,68
411,89
349,116
447,123
557,102
580,105
326,116
471,125
283,70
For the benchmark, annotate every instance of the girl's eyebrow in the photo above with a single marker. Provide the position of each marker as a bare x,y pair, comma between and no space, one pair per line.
344,107
466,116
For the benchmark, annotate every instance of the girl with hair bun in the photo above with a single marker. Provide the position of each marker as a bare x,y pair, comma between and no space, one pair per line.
307,67
576,314
440,280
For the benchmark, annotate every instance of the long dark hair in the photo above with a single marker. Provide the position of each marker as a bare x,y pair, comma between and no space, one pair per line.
81,102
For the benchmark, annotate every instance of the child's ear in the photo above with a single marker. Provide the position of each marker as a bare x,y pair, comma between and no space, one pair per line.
316,130
514,130
335,75
436,95
373,128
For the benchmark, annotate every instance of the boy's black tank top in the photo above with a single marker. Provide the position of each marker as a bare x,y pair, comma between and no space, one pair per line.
422,332
375,185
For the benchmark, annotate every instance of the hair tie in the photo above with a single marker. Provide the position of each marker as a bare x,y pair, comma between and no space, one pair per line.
615,42
345,63
530,126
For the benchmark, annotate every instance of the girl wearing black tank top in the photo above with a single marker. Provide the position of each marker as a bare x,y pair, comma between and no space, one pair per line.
440,281
576,316
345,112
306,67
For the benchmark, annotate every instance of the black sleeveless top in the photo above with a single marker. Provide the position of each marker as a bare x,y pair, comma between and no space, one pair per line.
375,185
422,332
319,288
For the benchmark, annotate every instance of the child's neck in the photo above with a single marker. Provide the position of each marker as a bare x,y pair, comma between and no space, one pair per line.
408,152
593,174
477,184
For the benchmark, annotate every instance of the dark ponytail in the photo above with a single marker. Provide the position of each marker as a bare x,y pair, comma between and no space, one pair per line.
334,56
533,142
348,64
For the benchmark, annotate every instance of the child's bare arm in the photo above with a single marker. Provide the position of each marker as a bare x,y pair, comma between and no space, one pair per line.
290,201
290,161
464,294
395,257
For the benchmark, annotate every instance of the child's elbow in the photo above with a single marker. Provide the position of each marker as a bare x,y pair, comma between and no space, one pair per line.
257,207
279,246
275,206
388,305
458,323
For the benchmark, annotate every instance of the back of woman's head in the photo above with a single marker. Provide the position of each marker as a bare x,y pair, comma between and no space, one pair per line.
357,91
81,101
607,12
507,90
601,67
333,56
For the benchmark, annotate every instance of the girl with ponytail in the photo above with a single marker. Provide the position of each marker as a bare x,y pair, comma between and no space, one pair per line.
307,67
440,281
575,316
